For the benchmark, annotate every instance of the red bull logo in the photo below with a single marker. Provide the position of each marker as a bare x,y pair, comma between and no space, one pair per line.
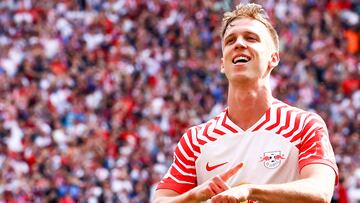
272,159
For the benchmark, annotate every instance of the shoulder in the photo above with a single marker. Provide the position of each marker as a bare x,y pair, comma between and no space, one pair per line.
193,130
306,117
309,113
203,133
280,104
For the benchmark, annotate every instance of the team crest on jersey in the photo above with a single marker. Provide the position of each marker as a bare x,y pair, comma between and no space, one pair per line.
272,159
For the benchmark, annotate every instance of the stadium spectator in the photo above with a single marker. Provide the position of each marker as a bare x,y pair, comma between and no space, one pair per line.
96,94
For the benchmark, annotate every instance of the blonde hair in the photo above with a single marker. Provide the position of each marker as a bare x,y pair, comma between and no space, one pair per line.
251,10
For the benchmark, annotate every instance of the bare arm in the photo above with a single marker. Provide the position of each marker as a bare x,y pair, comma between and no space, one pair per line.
316,184
166,195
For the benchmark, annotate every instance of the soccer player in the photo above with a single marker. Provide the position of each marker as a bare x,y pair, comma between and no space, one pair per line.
258,149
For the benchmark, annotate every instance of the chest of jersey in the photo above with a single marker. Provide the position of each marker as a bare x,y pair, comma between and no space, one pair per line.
267,158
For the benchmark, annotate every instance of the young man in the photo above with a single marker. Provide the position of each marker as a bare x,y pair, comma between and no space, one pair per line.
258,149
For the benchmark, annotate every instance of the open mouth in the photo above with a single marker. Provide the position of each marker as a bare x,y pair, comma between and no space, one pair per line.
241,59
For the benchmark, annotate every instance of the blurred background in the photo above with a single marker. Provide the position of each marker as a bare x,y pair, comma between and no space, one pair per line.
95,94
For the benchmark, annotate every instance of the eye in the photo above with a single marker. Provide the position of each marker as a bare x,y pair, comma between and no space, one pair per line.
229,40
251,38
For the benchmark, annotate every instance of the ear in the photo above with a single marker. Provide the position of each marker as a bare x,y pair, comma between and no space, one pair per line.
222,65
275,59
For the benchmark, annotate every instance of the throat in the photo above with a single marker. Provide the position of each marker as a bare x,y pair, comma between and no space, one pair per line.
246,109
246,119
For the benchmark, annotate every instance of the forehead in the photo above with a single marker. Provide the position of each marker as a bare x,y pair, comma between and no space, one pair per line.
246,25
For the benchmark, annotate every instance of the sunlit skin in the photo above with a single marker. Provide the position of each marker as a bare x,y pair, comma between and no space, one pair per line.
249,37
249,95
249,83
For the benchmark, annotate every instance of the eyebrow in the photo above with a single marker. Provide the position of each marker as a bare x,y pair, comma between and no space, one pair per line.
228,36
245,33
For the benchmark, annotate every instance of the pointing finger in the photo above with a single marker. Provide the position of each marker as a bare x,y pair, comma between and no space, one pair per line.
221,183
225,176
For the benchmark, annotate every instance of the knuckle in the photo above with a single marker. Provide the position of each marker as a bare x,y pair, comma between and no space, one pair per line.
208,190
217,177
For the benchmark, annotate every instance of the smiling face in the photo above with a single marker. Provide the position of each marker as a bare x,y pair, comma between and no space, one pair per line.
249,53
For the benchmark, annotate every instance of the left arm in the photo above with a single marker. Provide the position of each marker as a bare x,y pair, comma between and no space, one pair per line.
316,184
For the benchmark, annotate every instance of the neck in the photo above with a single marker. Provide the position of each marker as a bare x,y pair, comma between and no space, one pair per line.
248,104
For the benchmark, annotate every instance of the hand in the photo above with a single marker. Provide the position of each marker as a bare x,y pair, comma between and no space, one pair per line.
232,195
214,186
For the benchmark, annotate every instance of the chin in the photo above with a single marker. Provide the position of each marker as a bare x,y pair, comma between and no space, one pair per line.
241,78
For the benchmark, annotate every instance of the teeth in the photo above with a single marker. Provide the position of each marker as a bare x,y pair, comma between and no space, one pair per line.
241,59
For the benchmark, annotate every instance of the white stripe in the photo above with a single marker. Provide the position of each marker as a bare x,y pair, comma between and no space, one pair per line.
295,112
318,118
210,132
202,138
183,172
272,116
293,116
316,125
308,133
283,117
218,125
312,146
182,163
211,128
180,181
190,146
305,157
296,142
194,137
300,127
184,153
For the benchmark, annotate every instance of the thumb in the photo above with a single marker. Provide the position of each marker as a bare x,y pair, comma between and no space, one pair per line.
228,174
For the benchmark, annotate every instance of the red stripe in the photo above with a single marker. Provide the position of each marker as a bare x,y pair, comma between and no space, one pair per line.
217,131
303,131
278,114
317,131
196,148
206,132
317,150
183,168
171,181
287,123
300,135
310,151
265,121
296,125
228,126
307,127
186,148
200,141
177,174
168,183
182,157
310,142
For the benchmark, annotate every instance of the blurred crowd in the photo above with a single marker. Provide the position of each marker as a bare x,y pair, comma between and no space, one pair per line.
95,94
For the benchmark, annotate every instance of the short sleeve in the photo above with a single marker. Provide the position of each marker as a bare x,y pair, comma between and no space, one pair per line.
315,147
181,175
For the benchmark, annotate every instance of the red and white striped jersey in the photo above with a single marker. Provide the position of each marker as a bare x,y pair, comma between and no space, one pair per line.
273,150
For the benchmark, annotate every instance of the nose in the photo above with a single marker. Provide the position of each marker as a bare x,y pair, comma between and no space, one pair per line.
240,43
